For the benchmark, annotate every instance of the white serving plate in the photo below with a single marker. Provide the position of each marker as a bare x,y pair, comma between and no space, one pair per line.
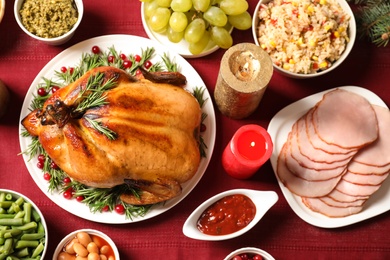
129,45
180,47
279,128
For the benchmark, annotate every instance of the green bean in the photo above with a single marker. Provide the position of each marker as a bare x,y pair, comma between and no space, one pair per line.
7,215
26,243
38,250
20,214
27,208
5,204
11,221
21,253
2,196
7,247
36,217
28,226
8,196
32,236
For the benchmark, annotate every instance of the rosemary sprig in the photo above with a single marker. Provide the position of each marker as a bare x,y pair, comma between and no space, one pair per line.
94,93
171,66
198,94
111,135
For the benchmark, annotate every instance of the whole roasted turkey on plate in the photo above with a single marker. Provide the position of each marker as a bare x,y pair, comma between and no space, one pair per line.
154,124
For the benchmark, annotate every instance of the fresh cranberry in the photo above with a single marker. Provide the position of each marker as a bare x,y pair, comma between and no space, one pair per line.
95,49
123,56
237,257
68,194
257,257
137,58
42,92
47,176
80,198
54,166
148,64
40,165
244,256
64,69
41,158
203,127
67,180
120,209
105,208
54,89
138,72
127,64
111,59
71,70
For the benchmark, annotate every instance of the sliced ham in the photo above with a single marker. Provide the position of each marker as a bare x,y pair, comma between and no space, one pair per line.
345,119
317,205
337,154
318,143
314,154
378,154
302,187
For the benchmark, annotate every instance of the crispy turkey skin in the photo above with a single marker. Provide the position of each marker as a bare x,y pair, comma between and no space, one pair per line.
156,144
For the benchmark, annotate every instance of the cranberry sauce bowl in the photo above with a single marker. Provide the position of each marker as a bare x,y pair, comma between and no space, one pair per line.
228,214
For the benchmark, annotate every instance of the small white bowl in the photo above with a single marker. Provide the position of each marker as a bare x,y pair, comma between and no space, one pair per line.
16,195
2,9
352,37
51,41
94,232
263,201
250,250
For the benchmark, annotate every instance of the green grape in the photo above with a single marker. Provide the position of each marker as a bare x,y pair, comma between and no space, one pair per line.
233,7
181,5
242,21
195,30
221,37
159,19
164,3
174,36
198,47
178,21
215,16
201,5
150,7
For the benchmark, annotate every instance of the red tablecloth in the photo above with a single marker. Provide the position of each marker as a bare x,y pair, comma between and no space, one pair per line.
281,232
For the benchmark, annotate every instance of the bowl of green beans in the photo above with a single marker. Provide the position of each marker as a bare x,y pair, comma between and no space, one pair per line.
23,230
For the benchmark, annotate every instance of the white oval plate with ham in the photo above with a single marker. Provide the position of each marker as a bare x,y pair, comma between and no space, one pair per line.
279,128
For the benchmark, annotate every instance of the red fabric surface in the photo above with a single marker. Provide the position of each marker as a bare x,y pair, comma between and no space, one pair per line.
281,232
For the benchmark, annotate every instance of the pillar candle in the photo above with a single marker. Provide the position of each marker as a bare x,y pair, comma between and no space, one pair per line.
250,147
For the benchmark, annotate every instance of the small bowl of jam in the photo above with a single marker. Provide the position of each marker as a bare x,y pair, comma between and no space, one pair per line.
86,244
228,214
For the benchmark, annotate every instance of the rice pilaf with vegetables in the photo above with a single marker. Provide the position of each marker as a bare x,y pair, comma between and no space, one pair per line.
303,36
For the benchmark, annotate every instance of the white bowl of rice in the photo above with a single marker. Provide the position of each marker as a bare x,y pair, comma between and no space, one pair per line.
304,38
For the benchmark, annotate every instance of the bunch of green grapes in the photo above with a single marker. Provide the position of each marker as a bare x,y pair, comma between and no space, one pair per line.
198,21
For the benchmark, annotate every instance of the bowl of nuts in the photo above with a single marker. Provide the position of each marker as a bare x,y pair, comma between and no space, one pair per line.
88,244
53,22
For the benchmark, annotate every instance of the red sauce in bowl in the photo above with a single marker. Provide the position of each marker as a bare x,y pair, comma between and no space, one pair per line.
228,215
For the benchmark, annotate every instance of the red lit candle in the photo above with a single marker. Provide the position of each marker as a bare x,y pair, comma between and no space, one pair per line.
250,147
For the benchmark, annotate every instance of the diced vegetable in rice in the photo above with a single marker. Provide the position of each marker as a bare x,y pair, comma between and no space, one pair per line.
303,36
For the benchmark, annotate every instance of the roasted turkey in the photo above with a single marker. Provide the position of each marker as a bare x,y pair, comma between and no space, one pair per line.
155,125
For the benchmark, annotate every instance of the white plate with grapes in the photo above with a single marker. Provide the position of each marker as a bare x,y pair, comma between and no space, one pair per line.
114,49
185,32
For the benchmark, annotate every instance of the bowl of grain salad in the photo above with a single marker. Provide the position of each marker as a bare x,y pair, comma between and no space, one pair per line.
53,22
304,38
